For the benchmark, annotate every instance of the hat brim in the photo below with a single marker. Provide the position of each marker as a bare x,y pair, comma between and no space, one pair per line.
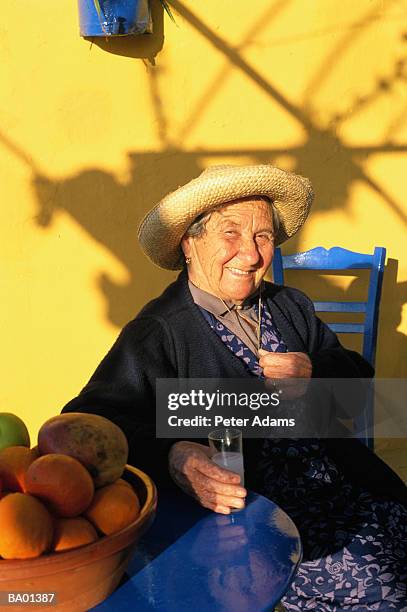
161,231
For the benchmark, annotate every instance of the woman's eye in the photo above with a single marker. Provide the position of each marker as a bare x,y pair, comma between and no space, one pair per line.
231,233
263,237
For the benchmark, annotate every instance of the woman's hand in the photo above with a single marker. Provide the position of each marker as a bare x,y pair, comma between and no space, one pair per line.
285,366
193,471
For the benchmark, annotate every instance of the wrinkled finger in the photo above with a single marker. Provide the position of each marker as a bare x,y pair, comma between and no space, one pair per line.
204,487
224,500
215,507
219,488
213,471
277,373
274,358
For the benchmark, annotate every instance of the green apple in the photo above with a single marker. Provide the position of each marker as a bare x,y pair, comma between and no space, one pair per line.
13,431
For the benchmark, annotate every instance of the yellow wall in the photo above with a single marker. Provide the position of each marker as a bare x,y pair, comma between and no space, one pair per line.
91,136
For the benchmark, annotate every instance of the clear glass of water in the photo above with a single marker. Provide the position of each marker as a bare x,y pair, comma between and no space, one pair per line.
227,444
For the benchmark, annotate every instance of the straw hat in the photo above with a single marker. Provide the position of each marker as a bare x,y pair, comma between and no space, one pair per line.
161,231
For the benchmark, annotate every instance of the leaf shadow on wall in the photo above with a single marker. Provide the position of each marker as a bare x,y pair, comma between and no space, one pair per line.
109,210
332,286
391,359
110,213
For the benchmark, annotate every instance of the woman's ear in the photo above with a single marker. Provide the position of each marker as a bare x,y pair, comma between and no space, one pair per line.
186,245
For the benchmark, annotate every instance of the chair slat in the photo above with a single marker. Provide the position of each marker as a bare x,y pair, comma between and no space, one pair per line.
335,259
340,306
347,328
328,259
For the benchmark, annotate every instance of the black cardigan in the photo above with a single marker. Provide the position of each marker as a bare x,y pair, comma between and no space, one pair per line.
170,338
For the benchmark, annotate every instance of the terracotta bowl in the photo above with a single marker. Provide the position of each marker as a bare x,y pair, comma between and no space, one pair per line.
85,576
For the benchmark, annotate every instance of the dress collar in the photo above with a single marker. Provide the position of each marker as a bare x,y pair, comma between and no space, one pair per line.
215,305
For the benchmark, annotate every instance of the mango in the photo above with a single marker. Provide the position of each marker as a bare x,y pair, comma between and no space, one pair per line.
96,442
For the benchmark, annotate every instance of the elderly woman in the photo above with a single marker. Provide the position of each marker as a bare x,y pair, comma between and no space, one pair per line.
221,319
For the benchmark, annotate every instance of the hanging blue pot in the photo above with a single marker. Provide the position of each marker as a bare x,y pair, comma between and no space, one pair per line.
114,17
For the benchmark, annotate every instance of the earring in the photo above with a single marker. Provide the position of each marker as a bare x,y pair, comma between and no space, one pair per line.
187,260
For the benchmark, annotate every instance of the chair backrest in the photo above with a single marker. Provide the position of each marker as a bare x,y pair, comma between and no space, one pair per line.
335,259
340,259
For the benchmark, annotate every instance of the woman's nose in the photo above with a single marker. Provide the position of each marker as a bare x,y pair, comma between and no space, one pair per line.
249,250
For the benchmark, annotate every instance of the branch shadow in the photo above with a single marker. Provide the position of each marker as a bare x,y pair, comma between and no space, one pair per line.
109,211
330,287
391,341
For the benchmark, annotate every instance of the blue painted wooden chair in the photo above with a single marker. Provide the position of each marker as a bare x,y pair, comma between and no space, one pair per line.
335,259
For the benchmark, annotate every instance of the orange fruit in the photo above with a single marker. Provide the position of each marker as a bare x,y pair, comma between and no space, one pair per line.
72,532
113,507
14,462
62,482
26,527
121,481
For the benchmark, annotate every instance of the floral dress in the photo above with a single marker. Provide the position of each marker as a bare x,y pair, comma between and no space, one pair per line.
354,546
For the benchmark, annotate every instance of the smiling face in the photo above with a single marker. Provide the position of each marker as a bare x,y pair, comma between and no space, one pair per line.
232,256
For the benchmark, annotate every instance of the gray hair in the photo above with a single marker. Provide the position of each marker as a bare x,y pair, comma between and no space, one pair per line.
197,227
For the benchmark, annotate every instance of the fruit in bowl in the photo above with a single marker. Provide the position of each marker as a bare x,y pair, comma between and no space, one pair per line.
14,463
61,482
113,507
13,431
72,532
96,442
84,576
26,527
55,490
58,532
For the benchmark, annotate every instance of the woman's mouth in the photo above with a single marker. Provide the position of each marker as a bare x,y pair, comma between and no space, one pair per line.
238,272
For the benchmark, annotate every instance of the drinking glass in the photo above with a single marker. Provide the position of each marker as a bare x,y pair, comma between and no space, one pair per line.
227,444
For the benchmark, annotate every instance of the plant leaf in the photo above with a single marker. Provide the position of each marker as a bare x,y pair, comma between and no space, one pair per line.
98,8
101,15
164,4
166,9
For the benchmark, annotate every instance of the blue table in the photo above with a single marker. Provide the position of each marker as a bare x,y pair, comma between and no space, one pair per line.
193,559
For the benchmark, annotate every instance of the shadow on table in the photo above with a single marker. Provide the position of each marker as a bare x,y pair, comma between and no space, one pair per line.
167,527
243,561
